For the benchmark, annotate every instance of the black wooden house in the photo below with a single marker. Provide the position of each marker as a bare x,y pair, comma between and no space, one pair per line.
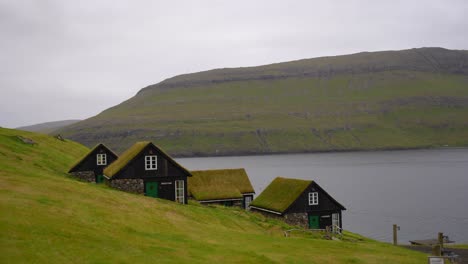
299,202
146,169
90,167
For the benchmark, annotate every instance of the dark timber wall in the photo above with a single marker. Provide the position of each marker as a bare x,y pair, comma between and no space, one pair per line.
299,211
90,163
166,174
326,203
324,209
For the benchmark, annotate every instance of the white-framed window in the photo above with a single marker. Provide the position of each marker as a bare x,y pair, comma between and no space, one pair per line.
335,222
101,159
179,191
313,198
151,162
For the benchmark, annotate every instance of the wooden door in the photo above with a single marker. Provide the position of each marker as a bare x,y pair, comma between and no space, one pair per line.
247,201
99,178
151,189
314,222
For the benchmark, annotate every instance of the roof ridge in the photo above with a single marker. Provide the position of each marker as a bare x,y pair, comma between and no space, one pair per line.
294,179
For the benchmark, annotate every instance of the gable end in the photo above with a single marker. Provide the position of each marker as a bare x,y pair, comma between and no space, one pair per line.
326,201
88,162
135,166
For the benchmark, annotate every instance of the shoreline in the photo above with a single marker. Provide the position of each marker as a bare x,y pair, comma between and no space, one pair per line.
246,153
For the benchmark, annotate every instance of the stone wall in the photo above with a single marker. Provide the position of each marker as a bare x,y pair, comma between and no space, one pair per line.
87,176
294,219
297,219
128,185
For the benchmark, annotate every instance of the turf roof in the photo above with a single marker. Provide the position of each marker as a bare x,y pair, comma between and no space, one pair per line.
131,153
125,158
89,153
219,184
280,194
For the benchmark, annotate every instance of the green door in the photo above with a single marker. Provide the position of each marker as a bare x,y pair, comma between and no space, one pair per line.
151,189
313,222
99,179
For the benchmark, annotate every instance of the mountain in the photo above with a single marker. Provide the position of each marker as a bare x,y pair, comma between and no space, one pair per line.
414,98
48,217
48,127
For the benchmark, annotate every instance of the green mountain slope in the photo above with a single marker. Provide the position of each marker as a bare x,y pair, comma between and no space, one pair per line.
48,127
47,217
380,100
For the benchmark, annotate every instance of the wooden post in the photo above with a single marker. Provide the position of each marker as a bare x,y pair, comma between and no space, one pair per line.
436,250
440,237
395,237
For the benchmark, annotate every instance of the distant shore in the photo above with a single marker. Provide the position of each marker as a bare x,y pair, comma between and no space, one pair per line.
247,153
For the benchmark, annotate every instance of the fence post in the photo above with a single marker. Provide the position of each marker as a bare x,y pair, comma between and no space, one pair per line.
436,250
395,236
440,237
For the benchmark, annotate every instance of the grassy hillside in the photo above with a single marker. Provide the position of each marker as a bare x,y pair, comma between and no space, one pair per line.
47,217
381,100
48,127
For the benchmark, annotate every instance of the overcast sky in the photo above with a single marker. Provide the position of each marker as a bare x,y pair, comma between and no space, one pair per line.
73,59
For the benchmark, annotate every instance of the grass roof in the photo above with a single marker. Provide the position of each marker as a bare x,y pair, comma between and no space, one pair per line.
89,153
219,184
280,194
131,153
125,158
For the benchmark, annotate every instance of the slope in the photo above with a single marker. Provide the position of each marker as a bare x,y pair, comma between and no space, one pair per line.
47,217
50,218
48,127
374,100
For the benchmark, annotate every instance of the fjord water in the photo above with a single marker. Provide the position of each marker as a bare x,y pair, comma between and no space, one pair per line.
422,191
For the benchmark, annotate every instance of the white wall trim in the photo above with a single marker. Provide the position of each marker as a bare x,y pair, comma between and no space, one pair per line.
266,210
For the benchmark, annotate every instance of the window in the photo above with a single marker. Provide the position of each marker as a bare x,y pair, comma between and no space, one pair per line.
336,223
151,162
313,198
101,159
179,191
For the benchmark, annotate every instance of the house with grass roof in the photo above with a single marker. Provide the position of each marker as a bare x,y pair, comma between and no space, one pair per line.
90,167
226,186
299,202
146,169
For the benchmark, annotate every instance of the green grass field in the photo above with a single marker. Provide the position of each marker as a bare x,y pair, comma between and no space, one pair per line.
461,246
370,101
48,217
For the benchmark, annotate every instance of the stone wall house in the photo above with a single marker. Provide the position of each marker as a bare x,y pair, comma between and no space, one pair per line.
301,203
146,169
229,187
90,167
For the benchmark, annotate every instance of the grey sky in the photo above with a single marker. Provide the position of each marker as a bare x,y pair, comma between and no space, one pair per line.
73,59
